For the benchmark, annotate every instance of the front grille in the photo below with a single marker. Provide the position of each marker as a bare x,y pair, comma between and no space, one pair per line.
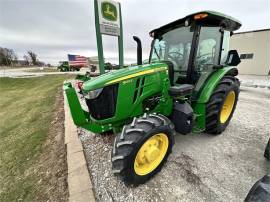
104,105
139,88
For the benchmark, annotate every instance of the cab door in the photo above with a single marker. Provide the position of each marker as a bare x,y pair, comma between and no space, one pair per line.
211,51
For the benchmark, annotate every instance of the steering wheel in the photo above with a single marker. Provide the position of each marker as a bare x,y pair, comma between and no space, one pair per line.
174,52
203,55
203,61
176,58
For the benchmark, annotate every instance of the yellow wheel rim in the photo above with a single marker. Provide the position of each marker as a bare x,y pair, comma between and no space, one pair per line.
227,107
151,154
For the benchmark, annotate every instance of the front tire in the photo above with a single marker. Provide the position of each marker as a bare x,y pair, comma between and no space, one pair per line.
142,148
221,106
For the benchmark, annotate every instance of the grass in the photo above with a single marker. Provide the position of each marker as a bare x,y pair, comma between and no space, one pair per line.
27,107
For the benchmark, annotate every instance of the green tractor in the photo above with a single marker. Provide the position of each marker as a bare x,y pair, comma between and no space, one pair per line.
65,67
189,85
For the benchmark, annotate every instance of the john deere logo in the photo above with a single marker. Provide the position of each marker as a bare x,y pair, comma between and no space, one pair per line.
109,11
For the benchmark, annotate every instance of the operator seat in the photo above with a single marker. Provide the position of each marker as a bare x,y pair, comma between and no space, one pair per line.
181,90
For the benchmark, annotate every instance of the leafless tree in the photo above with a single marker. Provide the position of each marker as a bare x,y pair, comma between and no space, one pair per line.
27,59
33,57
7,56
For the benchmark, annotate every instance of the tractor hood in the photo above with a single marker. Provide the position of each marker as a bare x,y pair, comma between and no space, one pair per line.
122,75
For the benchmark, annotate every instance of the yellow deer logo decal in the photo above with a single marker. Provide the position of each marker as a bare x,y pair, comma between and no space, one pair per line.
109,12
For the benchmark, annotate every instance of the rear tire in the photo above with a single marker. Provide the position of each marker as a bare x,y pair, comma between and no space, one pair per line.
134,136
227,91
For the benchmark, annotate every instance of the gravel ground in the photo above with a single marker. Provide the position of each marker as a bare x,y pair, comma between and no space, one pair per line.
201,167
255,81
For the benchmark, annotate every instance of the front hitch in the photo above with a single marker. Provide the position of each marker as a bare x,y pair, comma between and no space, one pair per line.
81,117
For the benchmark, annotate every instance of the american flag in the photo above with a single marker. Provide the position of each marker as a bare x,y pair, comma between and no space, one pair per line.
77,60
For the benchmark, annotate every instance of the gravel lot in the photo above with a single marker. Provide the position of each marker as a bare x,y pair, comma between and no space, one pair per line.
202,167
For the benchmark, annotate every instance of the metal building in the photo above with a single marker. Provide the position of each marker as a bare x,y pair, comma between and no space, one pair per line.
254,50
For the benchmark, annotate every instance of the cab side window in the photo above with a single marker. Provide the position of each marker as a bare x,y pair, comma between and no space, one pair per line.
207,55
208,48
225,47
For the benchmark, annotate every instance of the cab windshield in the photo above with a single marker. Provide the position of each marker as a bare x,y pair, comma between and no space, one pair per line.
175,46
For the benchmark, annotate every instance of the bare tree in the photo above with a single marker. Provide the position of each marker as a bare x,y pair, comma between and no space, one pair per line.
27,59
7,56
33,57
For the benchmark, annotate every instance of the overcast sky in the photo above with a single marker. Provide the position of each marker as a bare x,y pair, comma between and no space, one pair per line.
53,28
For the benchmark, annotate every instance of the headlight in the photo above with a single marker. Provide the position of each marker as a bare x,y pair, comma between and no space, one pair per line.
93,93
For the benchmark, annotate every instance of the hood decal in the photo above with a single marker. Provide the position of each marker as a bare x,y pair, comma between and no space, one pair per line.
149,71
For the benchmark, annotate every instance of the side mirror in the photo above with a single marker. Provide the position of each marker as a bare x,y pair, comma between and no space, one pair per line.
233,58
139,49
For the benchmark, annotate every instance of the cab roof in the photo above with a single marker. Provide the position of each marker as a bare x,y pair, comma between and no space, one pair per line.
208,18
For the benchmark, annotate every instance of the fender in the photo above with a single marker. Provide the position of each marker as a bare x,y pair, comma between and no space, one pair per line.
199,106
213,82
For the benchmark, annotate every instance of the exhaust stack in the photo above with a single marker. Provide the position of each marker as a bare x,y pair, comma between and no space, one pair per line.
139,49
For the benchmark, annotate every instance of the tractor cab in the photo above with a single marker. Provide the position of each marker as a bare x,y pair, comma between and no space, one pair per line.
195,46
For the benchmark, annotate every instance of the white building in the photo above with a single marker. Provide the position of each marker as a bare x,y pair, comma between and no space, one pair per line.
254,50
93,60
